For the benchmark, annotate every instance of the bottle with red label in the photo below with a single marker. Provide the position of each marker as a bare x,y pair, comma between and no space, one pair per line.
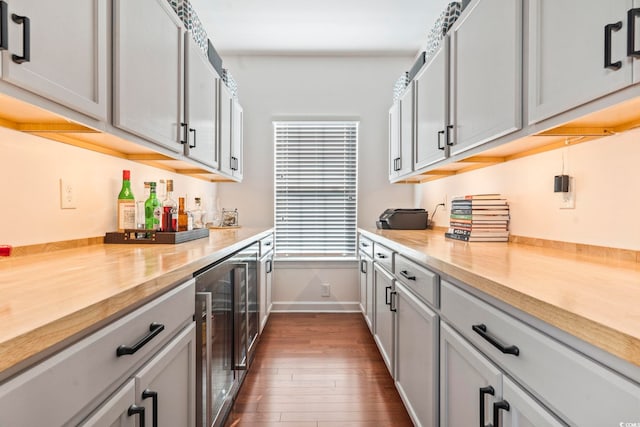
169,210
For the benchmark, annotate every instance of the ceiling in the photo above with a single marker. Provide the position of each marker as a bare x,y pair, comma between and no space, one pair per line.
319,27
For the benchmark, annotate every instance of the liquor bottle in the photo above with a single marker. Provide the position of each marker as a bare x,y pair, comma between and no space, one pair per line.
197,214
152,209
140,221
126,204
169,210
183,220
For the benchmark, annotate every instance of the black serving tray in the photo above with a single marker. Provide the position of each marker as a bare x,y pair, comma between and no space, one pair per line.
155,237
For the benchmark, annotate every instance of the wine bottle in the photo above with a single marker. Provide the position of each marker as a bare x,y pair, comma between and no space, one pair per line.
141,221
152,209
126,204
169,210
183,220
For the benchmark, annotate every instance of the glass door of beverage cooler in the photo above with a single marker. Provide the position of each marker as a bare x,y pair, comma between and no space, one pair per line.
214,339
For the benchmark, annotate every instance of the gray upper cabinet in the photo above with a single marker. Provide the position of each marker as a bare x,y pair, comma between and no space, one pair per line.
432,101
201,108
230,133
237,139
64,56
225,102
401,136
486,73
148,71
566,43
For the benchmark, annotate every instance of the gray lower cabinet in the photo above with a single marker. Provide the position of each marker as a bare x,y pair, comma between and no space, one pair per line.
264,288
366,288
578,390
383,284
118,410
416,355
166,386
475,392
89,382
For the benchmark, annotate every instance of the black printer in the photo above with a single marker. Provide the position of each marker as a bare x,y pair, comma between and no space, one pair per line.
403,219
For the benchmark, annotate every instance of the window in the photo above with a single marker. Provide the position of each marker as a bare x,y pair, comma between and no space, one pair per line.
315,188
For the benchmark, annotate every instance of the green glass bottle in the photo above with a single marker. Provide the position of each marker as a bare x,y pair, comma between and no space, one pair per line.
152,209
126,204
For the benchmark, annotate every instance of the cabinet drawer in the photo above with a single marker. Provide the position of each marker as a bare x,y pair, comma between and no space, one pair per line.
383,256
417,278
266,245
579,390
69,383
366,245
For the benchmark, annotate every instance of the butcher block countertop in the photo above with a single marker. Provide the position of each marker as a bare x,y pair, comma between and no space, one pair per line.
593,298
51,299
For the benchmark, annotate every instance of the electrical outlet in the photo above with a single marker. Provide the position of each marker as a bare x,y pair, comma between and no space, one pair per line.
67,195
325,290
568,199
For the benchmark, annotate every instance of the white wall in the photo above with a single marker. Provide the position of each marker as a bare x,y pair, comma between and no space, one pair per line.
607,180
277,87
30,170
315,87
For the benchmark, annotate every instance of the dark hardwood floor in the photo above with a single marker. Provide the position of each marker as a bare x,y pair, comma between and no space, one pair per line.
318,370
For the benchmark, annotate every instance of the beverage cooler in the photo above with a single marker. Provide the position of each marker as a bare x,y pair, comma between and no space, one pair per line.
226,332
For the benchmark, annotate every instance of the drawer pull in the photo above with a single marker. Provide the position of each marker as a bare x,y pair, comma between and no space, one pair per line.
26,38
268,243
632,14
405,274
503,404
154,329
137,410
481,330
484,390
380,255
608,30
364,245
154,401
4,25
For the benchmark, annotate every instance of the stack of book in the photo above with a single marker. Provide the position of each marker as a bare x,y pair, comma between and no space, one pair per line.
479,218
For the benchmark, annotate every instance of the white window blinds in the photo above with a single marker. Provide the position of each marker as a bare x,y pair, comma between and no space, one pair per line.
315,188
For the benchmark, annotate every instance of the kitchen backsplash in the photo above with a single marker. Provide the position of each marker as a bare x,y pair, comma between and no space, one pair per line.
31,169
607,180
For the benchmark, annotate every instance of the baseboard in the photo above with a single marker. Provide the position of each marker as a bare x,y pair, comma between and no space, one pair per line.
316,307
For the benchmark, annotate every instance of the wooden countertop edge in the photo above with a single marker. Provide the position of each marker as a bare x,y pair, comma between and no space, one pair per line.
29,348
602,336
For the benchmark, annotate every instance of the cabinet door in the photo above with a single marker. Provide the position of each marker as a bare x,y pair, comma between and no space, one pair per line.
200,106
486,73
432,101
67,49
405,165
148,71
364,272
565,53
465,375
394,140
370,306
225,130
523,411
384,283
168,383
115,412
237,139
417,365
